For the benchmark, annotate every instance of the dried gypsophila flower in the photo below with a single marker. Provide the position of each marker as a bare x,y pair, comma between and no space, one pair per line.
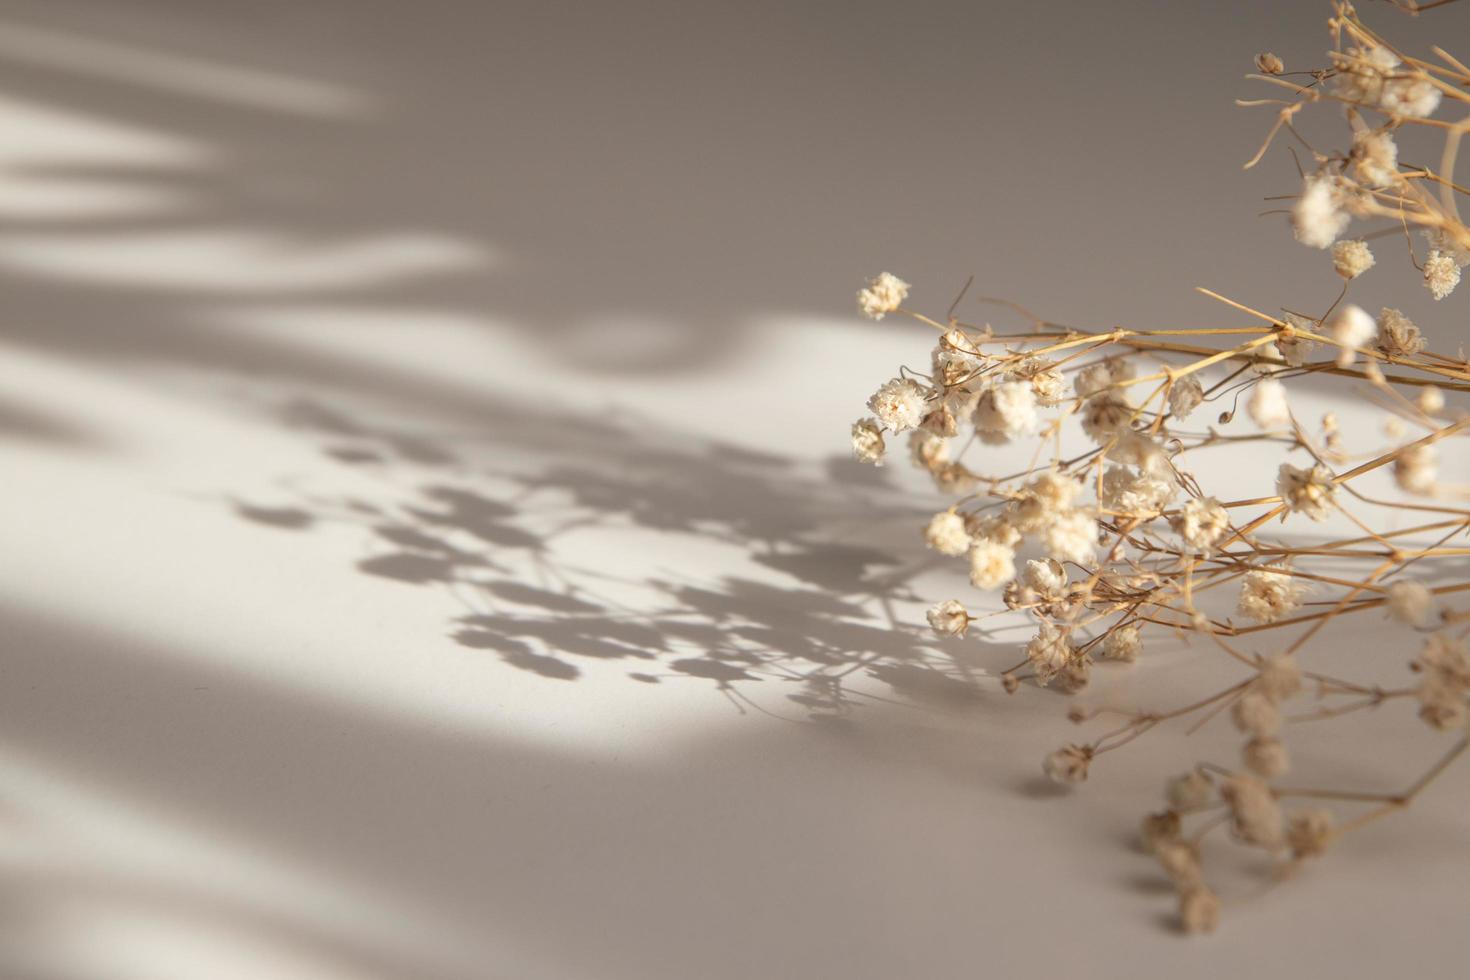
1351,258
1199,910
949,618
1071,536
1441,273
1410,602
1185,396
1157,829
1266,757
1351,327
1309,832
1416,470
1269,64
1048,652
1200,524
1191,791
1067,764
1375,158
884,294
1318,217
1123,643
946,533
1397,334
867,441
1255,816
1267,594
1005,411
900,404
1256,714
1307,490
992,564
1267,406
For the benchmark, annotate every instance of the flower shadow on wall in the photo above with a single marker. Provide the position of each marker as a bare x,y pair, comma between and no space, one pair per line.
535,550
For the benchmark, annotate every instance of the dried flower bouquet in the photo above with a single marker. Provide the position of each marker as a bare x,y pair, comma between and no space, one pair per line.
1131,547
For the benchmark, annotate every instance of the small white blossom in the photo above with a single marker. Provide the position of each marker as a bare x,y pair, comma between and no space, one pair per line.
867,441
1048,652
1267,406
1005,411
1123,644
1352,327
1279,677
1201,523
946,533
1416,470
900,404
1255,815
1267,594
1199,910
1410,601
1067,764
1256,714
1104,416
1185,396
883,295
1375,158
1317,218
992,564
1306,490
1266,757
1071,536
949,618
1397,335
1309,832
1269,64
1351,258
1430,400
1127,492
1441,273
1042,499
1191,791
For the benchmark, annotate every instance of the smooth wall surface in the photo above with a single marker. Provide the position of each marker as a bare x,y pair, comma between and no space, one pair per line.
429,548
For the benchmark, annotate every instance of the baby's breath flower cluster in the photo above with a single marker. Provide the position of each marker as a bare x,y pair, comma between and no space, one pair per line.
1109,543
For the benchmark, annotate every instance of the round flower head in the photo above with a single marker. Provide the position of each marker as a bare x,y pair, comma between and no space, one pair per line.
883,295
900,404
1191,791
1068,764
1267,594
1317,218
1005,411
946,533
1199,910
1126,492
1256,714
949,618
1123,644
1104,416
1397,335
1267,406
1306,490
1351,258
1071,536
1185,396
1047,383
867,441
992,564
1048,652
1254,813
1410,601
1375,158
1430,400
1309,832
1416,469
1352,328
1201,523
1279,677
1158,829
1266,757
1041,501
1180,861
1441,273
1269,64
